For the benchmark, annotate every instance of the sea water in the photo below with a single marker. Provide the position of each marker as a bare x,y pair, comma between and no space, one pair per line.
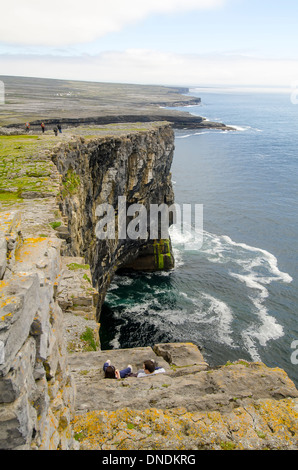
236,295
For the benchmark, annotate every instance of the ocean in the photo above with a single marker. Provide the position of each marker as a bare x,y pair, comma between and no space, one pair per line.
235,295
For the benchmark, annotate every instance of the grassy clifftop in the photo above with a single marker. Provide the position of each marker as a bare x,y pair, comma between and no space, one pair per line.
25,168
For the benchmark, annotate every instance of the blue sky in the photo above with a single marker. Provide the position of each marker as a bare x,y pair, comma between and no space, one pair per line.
174,42
262,27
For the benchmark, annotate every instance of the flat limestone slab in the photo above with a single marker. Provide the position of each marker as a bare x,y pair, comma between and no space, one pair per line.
120,358
180,354
193,388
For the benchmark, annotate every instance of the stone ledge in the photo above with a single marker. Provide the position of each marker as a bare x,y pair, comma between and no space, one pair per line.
75,292
181,354
262,425
191,385
238,406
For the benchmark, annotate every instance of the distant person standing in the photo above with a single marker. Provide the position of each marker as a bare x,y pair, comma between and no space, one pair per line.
59,128
55,130
42,127
27,126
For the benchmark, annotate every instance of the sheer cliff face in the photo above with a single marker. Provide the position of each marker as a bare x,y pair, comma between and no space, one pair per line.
98,170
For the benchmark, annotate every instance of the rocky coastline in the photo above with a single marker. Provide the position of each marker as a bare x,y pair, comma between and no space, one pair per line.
84,103
53,268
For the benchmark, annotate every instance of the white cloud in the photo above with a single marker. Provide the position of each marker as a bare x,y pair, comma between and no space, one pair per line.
65,22
153,67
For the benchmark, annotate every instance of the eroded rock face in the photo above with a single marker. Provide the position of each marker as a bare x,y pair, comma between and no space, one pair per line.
45,280
134,167
45,277
36,389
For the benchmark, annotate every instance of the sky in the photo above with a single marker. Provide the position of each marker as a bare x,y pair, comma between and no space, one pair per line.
169,42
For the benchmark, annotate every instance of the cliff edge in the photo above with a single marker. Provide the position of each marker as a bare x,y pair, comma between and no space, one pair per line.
238,406
91,103
54,273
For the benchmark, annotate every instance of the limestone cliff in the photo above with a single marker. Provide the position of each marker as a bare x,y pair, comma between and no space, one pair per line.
54,398
47,238
134,165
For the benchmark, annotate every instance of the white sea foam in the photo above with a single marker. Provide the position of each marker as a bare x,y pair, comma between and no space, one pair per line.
125,280
208,131
186,237
253,267
113,286
222,317
259,269
236,127
183,136
266,329
239,128
176,317
115,342
210,310
256,268
265,258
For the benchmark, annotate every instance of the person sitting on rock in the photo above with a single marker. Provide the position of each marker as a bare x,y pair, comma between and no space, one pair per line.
112,373
150,368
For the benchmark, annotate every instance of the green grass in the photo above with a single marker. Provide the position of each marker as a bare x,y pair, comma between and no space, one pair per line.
74,266
24,166
55,224
227,445
6,196
130,426
86,278
71,183
88,337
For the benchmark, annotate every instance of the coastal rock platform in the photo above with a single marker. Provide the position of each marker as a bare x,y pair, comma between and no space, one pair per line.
239,405
53,395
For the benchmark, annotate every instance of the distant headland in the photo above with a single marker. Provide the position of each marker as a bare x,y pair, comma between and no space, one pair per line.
74,103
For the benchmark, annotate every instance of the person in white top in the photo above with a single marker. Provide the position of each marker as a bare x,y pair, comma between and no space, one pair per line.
150,369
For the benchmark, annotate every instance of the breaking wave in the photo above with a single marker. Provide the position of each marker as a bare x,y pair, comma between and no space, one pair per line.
252,267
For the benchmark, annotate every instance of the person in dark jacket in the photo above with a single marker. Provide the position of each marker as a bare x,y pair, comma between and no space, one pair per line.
112,373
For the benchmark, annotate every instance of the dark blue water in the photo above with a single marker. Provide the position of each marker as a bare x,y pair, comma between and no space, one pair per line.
236,295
